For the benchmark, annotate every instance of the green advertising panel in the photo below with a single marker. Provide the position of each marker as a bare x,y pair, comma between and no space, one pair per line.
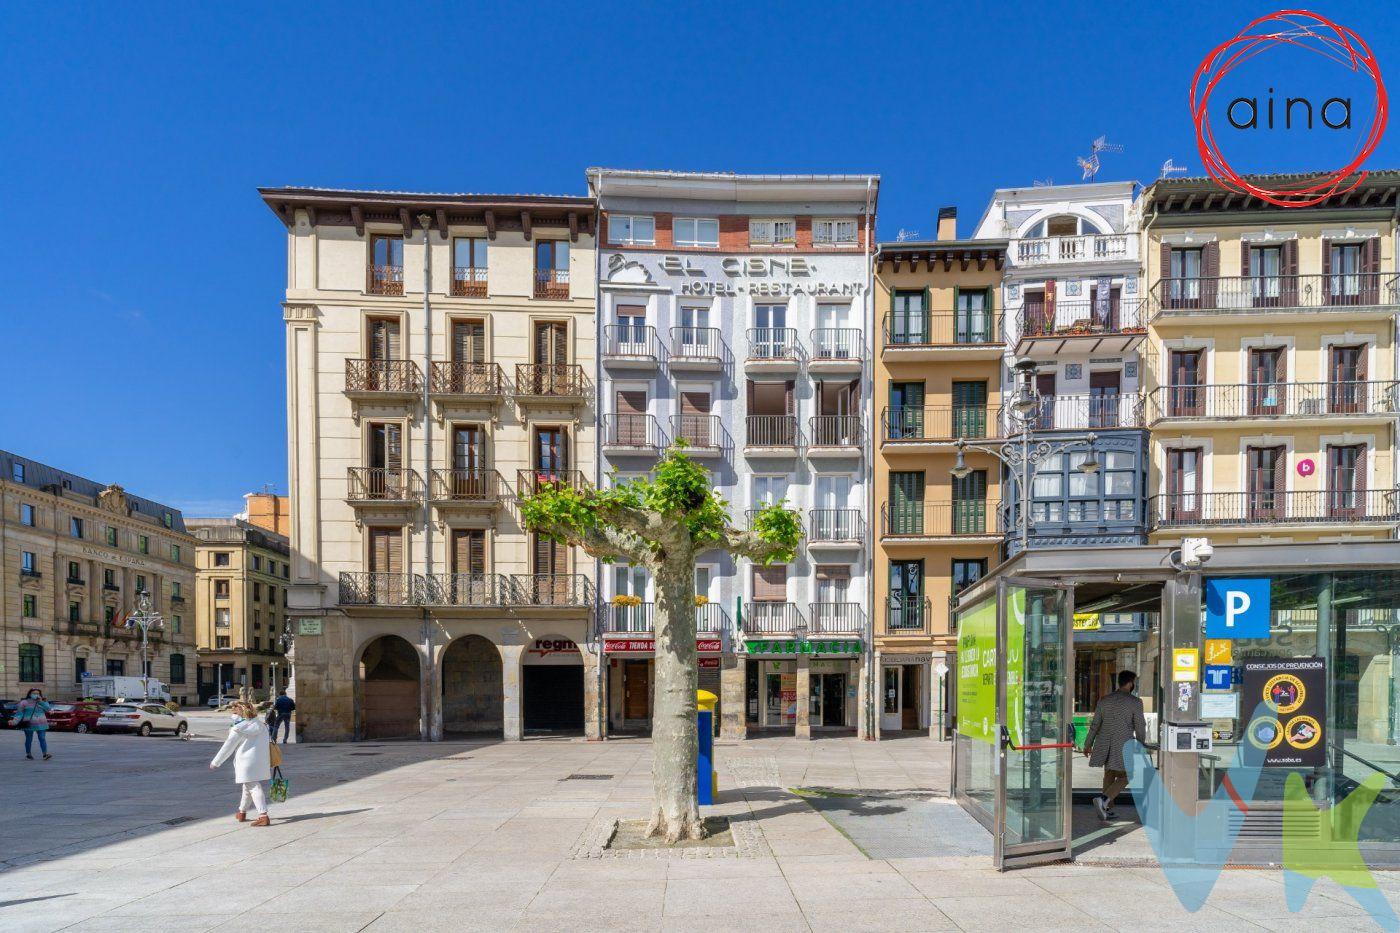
977,672
1016,663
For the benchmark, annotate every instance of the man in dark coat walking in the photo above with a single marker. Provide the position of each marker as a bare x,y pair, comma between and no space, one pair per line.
1117,718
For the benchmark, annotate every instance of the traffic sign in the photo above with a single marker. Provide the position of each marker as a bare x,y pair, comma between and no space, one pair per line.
1237,607
1218,651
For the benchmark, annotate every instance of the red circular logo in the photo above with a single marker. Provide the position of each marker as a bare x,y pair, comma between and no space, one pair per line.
1304,30
1306,467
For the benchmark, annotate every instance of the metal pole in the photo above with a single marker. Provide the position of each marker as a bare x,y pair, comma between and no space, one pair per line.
145,665
1025,486
428,731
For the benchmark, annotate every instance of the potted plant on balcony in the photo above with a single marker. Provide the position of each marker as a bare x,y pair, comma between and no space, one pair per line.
626,599
701,600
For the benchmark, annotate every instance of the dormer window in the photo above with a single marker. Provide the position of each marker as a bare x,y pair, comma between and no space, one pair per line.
1063,225
632,229
772,232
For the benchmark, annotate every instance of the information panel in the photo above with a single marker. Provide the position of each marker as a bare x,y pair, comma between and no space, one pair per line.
1289,727
977,672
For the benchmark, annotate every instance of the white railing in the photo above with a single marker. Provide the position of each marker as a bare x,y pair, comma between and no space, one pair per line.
1087,248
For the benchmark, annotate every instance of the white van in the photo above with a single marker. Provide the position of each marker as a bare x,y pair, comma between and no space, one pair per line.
124,688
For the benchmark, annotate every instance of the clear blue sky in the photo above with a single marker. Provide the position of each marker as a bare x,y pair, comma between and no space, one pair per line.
142,273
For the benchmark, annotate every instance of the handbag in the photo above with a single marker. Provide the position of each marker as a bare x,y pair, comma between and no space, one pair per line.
274,755
278,792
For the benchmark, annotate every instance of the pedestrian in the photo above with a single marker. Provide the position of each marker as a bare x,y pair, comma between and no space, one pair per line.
284,705
270,720
1117,718
250,747
29,716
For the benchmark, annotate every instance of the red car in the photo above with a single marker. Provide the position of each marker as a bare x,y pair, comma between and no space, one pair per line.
75,717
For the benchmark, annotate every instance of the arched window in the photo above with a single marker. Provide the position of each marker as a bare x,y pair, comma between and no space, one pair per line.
177,668
1062,225
31,663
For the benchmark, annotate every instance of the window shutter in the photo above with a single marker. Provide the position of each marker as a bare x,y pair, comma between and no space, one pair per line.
788,397
770,583
393,446
1166,262
542,349
1360,480
561,344
1370,271
1289,286
1245,251
1326,260
1210,271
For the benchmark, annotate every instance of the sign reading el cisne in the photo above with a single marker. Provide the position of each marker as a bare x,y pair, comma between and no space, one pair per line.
767,276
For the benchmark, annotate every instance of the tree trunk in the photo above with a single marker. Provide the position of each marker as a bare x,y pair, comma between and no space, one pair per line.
675,741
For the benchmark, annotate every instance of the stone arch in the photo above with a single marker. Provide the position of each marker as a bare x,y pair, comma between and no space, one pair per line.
552,685
388,677
472,687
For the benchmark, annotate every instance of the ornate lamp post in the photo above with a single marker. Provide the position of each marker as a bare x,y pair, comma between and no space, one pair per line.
1019,453
145,618
288,642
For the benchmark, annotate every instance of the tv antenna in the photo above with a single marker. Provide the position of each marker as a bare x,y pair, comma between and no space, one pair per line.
1169,168
1092,164
904,235
1042,182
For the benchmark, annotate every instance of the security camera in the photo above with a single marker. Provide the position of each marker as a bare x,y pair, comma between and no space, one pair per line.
1195,552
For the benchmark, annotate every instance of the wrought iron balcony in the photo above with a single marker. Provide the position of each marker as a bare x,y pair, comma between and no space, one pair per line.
470,380
771,618
468,282
384,484
836,526
774,345
564,382
565,590
468,488
552,284
934,519
710,619
772,431
911,330
633,433
832,347
937,424
1275,400
704,435
839,431
464,589
907,615
1298,507
529,482
1084,413
377,589
698,348
632,345
385,280
630,620
836,618
1081,318
1043,251
383,378
1261,294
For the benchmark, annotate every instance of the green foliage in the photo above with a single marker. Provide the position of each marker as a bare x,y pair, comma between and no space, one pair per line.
781,526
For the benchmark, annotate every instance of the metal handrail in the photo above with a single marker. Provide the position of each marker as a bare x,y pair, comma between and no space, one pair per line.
384,484
829,525
836,431
836,618
702,433
1276,399
562,380
370,375
771,618
530,482
838,343
632,341
463,589
959,517
466,378
774,343
1309,506
772,431
697,344
1252,293
469,281
1077,318
939,423
551,589
485,485
633,430
910,329
908,614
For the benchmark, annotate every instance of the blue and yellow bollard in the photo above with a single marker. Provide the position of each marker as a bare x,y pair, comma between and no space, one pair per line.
706,778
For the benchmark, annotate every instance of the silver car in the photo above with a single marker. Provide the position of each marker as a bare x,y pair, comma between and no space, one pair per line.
141,718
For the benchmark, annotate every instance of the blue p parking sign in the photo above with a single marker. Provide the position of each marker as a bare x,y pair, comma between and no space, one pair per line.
1237,607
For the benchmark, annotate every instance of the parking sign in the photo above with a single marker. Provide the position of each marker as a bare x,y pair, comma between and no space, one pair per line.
1237,607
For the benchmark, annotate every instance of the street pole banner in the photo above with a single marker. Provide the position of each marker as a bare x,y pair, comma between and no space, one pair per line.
1290,725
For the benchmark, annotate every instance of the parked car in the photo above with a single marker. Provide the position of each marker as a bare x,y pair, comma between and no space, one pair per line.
75,717
141,718
7,712
216,702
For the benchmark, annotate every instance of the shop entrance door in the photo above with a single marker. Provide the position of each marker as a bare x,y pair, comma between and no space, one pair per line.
636,690
833,699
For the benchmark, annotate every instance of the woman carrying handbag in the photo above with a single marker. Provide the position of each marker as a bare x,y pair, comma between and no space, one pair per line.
249,745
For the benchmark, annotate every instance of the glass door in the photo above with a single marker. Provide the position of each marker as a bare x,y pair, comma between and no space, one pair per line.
1034,715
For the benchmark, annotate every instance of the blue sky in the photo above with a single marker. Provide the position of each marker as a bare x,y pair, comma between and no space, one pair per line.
143,274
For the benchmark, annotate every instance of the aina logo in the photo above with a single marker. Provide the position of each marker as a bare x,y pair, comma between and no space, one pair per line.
1289,33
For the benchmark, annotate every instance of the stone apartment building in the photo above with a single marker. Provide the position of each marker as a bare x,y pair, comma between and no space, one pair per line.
242,575
74,555
440,360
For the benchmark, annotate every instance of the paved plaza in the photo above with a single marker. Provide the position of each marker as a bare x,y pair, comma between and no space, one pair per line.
120,833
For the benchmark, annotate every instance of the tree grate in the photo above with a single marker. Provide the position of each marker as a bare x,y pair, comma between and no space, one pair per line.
179,820
589,777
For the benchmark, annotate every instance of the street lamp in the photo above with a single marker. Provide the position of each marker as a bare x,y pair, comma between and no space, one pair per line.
145,618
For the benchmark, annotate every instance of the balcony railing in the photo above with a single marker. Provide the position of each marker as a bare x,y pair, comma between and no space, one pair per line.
771,618
941,328
772,431
931,424
907,614
1320,506
774,343
384,484
386,280
836,431
486,487
836,525
552,283
1089,248
833,344
702,433
551,380
836,618
485,379
400,377
633,431
529,482
632,341
377,589
1275,399
464,589
1262,293
697,345
468,282
1085,412
1081,318
629,620
934,519
551,589
710,619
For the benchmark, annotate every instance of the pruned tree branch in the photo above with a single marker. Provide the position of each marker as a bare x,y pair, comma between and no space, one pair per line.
643,523
749,544
602,541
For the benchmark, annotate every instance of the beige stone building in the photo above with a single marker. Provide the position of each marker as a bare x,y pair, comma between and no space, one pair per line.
242,574
440,359
74,555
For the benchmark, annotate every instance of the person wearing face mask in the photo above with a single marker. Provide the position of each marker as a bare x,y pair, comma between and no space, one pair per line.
248,745
29,716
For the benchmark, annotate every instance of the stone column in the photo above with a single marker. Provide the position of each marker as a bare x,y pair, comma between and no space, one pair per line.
733,700
593,712
511,713
862,698
804,697
430,661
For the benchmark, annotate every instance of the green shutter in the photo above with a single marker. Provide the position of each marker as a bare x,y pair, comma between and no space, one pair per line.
907,503
970,409
970,503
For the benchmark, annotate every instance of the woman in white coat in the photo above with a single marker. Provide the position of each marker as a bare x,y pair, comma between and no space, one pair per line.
247,744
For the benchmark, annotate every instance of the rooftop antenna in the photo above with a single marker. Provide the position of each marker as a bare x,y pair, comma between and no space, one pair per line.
1169,169
1042,182
1091,165
903,235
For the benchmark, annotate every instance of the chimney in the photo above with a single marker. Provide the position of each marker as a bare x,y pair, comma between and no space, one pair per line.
947,223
